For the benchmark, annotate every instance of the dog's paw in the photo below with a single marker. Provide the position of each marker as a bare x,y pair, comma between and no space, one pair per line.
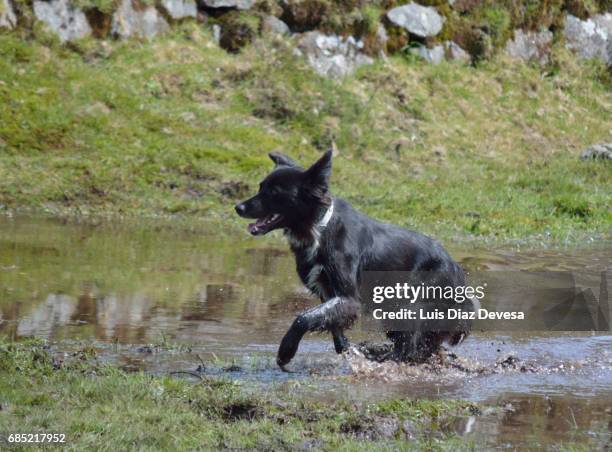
282,365
285,355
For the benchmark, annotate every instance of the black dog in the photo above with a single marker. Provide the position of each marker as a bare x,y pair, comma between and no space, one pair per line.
333,244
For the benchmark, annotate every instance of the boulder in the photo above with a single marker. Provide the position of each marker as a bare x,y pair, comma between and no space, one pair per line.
530,46
454,52
435,55
216,32
382,37
601,151
272,24
332,56
237,4
179,9
385,427
8,19
423,21
141,23
410,430
62,18
591,38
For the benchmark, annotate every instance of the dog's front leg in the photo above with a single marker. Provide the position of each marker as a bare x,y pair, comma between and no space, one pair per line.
335,314
341,343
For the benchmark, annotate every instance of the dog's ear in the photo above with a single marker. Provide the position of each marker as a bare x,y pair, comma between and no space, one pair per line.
281,159
317,176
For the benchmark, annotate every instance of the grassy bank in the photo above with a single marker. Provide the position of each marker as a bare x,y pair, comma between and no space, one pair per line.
100,406
179,127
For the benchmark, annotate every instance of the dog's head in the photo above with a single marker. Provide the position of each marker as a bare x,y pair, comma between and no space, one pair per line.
289,197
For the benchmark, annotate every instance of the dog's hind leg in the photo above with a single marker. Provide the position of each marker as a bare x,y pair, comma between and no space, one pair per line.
415,346
334,315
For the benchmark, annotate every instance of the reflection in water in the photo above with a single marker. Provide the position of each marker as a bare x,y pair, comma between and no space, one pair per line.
537,421
235,298
56,309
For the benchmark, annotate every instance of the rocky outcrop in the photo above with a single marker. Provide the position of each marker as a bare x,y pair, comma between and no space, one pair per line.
530,46
331,55
591,38
7,15
236,4
179,9
141,23
363,33
601,151
422,21
434,55
271,24
382,37
454,52
216,33
68,22
448,50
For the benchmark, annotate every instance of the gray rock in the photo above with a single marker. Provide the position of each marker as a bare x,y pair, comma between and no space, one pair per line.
128,22
591,38
188,116
180,9
216,31
435,55
238,4
381,35
601,151
274,25
8,19
423,21
530,46
386,427
332,56
410,430
455,53
62,18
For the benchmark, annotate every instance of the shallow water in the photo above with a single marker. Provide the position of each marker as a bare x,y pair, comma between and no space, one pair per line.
164,301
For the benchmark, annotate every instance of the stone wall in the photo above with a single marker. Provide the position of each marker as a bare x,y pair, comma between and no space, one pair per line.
336,37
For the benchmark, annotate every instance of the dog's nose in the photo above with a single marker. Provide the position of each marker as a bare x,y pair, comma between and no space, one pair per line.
240,209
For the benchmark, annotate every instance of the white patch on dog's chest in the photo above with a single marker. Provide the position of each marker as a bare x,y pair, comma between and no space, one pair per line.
308,249
310,246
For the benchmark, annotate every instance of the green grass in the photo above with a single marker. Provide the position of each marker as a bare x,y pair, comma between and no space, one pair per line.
100,406
178,127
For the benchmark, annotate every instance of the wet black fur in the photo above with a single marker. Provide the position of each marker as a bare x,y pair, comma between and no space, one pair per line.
350,244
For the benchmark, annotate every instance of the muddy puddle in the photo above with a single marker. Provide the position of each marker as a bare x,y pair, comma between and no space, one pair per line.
200,305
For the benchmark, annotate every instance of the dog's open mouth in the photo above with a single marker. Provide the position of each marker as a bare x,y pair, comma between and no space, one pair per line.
265,224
